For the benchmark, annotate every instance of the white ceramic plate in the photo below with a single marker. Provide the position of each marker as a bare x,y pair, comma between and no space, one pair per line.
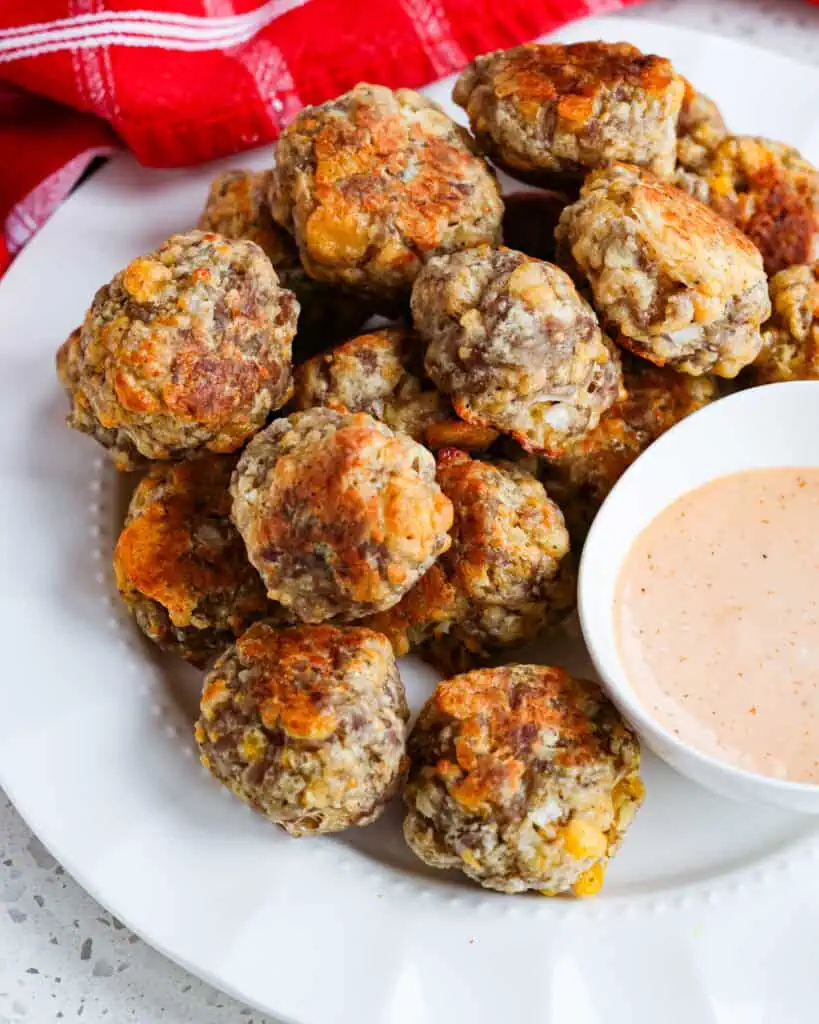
710,914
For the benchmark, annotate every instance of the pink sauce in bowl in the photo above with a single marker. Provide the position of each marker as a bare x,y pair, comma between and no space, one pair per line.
717,620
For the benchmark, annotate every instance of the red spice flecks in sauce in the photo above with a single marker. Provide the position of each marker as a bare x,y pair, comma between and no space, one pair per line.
717,618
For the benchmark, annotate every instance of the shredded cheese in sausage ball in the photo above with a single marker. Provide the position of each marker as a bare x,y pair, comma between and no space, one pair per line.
306,725
340,514
549,113
522,777
791,336
681,285
507,578
185,351
514,345
374,183
180,564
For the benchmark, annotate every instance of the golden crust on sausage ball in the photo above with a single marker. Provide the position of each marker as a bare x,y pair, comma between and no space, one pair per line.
771,193
237,207
180,564
306,725
580,479
340,514
373,183
506,578
549,113
185,351
514,345
523,778
791,337
683,287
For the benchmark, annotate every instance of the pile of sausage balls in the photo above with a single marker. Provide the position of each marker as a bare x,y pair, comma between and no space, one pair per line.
321,493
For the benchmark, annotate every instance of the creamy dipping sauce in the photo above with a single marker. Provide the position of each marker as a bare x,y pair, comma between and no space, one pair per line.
717,620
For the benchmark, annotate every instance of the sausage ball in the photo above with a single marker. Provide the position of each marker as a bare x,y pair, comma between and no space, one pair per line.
237,207
509,545
186,351
339,514
580,479
181,566
381,373
376,181
700,129
791,337
523,778
484,634
692,183
429,607
683,287
70,368
549,113
306,725
772,194
506,578
529,222
514,345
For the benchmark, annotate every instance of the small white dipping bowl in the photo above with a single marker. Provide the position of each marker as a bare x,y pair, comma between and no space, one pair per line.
766,427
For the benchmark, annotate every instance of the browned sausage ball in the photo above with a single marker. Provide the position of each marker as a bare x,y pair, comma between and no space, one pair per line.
339,514
580,479
514,345
791,337
374,182
682,285
185,351
529,222
70,362
482,635
507,577
772,194
181,566
306,725
237,207
549,113
523,778
381,373
700,129
428,608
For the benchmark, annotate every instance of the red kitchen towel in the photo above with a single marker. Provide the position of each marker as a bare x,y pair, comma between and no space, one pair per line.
182,81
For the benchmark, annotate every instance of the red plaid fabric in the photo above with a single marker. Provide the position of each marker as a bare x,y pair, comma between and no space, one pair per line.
182,81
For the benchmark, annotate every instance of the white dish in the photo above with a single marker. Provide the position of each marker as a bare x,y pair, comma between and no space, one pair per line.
764,428
711,912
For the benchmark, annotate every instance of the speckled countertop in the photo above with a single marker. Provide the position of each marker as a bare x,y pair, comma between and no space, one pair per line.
62,957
